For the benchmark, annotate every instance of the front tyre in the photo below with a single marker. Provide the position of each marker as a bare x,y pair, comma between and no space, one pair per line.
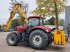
12,39
38,39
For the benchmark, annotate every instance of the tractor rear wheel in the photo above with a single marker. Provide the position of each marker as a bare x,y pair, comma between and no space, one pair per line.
38,39
12,39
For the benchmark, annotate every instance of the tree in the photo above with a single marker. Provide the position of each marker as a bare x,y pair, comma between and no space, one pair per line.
51,21
61,22
50,7
23,4
17,22
47,7
14,23
20,20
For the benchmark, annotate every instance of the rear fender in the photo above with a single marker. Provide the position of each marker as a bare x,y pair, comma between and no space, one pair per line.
46,29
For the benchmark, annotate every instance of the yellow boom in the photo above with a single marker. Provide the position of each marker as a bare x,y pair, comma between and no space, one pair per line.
16,8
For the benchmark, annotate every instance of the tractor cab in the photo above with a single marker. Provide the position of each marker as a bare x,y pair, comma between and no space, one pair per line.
36,21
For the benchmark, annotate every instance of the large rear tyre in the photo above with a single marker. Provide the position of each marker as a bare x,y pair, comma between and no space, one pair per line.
12,39
38,39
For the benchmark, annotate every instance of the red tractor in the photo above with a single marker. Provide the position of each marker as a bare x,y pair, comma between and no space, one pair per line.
35,33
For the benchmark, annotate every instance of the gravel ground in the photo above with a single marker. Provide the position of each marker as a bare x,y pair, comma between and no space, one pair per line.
21,48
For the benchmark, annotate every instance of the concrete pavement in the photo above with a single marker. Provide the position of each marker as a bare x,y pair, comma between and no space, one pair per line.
22,48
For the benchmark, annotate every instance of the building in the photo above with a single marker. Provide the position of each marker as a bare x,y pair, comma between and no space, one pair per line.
67,16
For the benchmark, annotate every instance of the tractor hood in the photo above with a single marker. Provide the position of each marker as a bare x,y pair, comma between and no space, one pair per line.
47,29
21,28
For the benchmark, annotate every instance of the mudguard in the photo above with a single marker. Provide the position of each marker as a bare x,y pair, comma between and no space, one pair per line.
47,29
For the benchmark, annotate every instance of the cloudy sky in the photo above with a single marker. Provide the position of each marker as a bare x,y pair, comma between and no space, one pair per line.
4,9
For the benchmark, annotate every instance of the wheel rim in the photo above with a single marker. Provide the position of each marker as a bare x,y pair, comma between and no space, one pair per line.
11,39
37,40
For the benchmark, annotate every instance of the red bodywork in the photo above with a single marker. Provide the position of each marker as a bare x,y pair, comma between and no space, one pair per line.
22,28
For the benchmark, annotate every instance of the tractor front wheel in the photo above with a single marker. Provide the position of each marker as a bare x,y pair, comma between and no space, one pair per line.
12,39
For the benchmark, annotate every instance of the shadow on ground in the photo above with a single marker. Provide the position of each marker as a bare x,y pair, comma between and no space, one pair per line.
50,48
55,48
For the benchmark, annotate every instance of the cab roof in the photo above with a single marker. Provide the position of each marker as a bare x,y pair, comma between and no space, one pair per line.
34,17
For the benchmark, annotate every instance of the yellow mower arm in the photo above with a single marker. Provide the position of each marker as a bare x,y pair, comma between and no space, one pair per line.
17,8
